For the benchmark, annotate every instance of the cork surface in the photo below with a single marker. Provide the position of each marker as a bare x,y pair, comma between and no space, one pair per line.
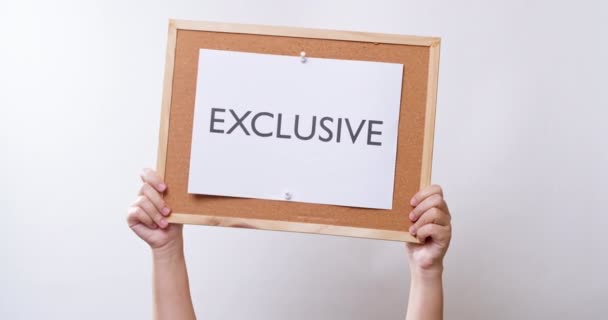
409,146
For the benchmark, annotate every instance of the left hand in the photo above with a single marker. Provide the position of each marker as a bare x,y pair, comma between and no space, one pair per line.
147,216
432,227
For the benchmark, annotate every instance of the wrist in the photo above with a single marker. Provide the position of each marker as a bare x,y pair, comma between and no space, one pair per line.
427,273
171,250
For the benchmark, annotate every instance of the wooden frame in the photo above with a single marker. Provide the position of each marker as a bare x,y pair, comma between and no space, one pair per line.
432,43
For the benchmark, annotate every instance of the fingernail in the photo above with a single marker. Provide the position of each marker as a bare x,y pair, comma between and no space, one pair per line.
413,230
162,187
163,223
413,202
412,216
166,211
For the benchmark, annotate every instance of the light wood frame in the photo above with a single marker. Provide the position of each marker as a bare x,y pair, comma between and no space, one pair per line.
433,43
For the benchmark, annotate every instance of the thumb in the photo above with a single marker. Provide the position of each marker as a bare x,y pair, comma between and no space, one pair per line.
439,234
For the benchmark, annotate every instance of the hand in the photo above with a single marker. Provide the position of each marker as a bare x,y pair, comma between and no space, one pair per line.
147,216
432,227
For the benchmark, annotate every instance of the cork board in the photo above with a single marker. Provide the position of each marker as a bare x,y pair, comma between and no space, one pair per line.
420,58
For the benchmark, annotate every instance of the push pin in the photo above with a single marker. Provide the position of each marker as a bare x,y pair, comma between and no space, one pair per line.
287,196
303,57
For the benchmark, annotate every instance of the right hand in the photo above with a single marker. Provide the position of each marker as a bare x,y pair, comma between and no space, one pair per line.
147,216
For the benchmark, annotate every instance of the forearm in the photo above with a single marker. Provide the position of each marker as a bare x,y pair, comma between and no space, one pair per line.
426,295
171,287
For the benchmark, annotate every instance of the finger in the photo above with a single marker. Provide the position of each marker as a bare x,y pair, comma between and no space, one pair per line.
439,234
425,193
431,216
434,201
145,203
153,195
142,231
136,215
152,178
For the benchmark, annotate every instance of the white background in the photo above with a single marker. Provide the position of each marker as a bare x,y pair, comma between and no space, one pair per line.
520,149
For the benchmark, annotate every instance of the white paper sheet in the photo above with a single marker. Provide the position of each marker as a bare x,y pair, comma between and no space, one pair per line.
265,166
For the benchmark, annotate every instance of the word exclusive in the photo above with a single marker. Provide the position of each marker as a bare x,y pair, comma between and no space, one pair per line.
329,129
